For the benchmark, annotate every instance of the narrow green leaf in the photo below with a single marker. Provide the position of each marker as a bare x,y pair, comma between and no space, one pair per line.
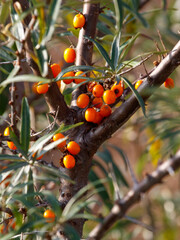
30,186
17,143
138,96
136,14
107,158
4,55
10,158
14,166
81,67
4,11
121,153
115,49
125,47
24,78
41,19
53,202
25,125
52,17
14,71
118,6
17,29
102,52
103,194
41,52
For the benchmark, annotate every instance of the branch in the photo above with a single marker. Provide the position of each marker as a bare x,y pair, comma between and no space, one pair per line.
121,115
122,206
84,47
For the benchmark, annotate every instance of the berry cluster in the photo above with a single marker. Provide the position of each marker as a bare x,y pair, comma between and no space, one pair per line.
98,100
72,148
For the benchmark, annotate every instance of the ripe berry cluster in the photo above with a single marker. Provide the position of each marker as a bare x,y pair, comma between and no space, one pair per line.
97,101
72,148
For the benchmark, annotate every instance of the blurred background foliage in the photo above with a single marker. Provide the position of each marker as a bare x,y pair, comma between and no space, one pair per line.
144,142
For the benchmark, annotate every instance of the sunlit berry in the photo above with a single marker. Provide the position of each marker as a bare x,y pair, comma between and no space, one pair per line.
69,161
49,215
42,88
109,97
138,83
90,114
79,80
105,110
169,83
97,102
82,100
68,74
117,89
58,136
98,90
73,147
69,55
79,20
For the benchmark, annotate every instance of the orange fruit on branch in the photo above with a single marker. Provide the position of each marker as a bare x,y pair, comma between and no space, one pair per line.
97,102
109,97
42,88
69,161
90,114
105,110
69,55
169,83
117,89
79,80
73,147
82,100
68,74
49,215
10,144
79,20
58,136
138,83
98,90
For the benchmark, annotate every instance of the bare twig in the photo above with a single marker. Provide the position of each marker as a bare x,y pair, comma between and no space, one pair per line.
121,207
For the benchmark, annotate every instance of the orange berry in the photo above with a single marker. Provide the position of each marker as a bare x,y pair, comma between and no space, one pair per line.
69,55
109,97
169,83
6,132
91,85
42,88
39,158
73,147
98,118
34,88
49,215
58,136
79,20
105,110
138,83
97,102
78,80
56,69
90,114
11,145
82,100
98,91
117,89
69,161
68,74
